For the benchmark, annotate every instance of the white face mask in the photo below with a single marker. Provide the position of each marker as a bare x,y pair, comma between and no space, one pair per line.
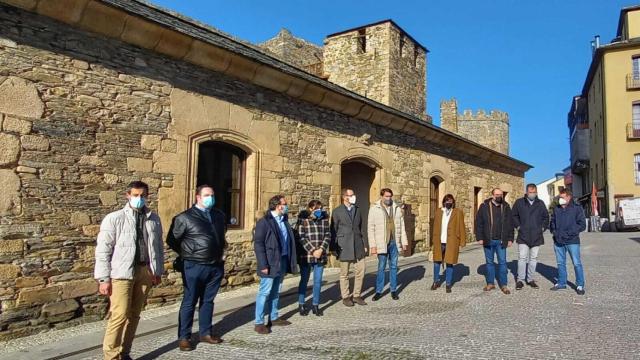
352,199
562,201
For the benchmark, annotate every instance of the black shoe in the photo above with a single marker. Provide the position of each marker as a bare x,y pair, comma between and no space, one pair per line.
376,297
394,295
519,285
556,287
533,284
125,357
435,286
303,310
448,289
580,290
316,310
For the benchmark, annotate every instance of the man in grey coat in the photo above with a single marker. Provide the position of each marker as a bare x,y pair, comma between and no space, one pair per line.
349,241
129,261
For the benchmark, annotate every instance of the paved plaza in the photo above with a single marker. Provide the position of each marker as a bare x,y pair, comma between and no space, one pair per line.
468,323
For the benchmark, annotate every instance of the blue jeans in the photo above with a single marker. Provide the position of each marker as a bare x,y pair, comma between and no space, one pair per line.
201,282
448,272
305,272
490,251
561,258
269,294
392,256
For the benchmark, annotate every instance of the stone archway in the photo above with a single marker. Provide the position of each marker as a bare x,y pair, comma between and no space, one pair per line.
361,174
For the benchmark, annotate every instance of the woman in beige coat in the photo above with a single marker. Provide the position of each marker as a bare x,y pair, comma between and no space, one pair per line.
448,236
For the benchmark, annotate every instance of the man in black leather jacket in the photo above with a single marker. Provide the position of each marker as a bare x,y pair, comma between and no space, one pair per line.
198,236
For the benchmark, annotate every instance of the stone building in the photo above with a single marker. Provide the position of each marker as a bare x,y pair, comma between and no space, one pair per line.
96,93
488,129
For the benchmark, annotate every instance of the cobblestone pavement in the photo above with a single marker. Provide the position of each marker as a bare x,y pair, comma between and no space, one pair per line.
468,323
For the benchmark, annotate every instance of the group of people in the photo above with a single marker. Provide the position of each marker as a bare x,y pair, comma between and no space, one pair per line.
130,257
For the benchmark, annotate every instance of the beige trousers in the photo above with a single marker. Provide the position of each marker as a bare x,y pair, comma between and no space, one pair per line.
126,302
358,268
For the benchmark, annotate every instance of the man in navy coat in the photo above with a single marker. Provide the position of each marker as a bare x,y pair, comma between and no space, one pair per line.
273,242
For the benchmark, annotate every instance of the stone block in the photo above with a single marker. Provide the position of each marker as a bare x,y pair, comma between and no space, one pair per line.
60,307
29,281
108,198
271,185
69,11
26,170
79,64
168,163
267,135
10,201
173,44
141,33
91,230
152,182
9,271
9,149
34,142
20,97
111,179
272,163
150,142
78,288
169,145
78,219
12,124
103,19
92,160
139,164
51,174
11,247
38,295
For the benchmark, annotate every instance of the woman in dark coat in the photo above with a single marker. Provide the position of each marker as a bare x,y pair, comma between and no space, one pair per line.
448,236
313,238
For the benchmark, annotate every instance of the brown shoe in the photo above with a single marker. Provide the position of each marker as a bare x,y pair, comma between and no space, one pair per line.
211,339
347,302
185,345
505,290
435,286
360,301
489,287
262,329
279,322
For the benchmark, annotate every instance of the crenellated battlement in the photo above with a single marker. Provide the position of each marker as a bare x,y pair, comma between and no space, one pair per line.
482,115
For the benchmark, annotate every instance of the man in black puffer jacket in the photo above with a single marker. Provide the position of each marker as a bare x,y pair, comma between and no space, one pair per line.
198,236
531,218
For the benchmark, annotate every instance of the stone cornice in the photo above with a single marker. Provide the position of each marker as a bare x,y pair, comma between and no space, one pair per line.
150,27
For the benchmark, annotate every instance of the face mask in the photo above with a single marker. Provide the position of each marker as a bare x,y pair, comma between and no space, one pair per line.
317,213
562,201
285,210
136,202
388,202
532,196
448,205
208,201
498,200
352,199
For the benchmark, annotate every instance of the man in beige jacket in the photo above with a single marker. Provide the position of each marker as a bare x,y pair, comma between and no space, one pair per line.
386,235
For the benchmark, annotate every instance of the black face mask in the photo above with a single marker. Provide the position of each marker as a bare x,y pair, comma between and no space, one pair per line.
498,200
448,205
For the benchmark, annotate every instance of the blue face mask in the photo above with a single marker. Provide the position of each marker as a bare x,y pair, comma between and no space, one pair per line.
317,213
136,202
208,201
285,210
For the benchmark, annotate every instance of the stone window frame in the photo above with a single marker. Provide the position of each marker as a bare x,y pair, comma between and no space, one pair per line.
250,187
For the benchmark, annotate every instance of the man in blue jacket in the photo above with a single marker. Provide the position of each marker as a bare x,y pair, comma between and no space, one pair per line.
273,242
567,221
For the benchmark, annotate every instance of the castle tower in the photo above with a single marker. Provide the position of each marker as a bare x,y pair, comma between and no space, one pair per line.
487,129
382,62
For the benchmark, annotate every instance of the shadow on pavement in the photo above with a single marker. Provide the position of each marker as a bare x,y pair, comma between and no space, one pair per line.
329,297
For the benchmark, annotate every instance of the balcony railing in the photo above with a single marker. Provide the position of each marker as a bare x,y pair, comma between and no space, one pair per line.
633,81
633,130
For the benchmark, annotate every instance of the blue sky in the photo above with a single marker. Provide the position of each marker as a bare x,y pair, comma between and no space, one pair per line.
527,58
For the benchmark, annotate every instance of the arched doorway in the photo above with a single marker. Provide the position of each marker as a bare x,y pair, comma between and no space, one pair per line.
359,175
434,198
222,166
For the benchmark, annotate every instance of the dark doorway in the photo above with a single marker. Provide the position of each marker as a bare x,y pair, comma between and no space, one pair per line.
359,177
222,166
434,198
476,204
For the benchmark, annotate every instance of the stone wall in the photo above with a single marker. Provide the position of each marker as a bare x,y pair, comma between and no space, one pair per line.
366,73
293,50
488,129
82,115
407,75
